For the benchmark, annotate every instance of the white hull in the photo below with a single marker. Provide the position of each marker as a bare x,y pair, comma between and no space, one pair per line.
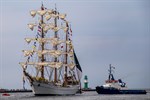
39,88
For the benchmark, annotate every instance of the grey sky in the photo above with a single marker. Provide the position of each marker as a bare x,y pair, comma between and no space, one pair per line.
105,32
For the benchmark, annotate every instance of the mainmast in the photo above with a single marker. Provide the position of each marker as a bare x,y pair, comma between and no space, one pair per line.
55,47
66,56
42,45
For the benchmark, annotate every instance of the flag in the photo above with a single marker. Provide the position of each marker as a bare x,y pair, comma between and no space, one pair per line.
69,36
28,59
39,28
70,31
42,7
23,82
34,44
67,24
62,46
79,69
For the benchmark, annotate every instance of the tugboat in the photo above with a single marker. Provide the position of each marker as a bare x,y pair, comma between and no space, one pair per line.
113,86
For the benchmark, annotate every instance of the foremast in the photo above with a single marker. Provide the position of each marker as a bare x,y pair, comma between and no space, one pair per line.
42,44
55,47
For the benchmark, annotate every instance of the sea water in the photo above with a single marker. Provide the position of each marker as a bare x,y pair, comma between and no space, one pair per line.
84,96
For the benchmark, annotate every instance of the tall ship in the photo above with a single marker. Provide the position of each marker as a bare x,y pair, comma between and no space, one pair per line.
51,65
113,86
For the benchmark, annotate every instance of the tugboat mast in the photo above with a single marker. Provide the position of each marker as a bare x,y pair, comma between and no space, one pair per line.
110,70
111,77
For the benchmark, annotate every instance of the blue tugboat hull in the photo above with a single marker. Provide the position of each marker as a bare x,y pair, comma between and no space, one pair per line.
111,90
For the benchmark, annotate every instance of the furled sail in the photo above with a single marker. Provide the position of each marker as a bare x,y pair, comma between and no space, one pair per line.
33,13
31,26
48,64
62,16
41,12
53,41
55,53
49,11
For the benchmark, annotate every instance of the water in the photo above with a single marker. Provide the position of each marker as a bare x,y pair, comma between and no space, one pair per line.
83,96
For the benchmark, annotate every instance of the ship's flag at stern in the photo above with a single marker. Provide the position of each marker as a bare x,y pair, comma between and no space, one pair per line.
79,69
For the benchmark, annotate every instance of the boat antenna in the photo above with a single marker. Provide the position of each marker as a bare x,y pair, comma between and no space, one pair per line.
111,77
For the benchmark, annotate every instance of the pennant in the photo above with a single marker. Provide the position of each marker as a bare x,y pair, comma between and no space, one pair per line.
70,30
35,44
39,28
42,7
23,82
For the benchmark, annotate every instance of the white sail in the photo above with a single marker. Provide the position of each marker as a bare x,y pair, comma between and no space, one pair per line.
55,15
55,53
55,29
31,26
28,52
71,66
48,64
62,16
45,29
65,29
48,17
40,40
53,41
49,11
33,13
41,12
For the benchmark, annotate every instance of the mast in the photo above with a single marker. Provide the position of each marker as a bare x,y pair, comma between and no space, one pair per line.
111,77
42,45
66,56
55,47
110,69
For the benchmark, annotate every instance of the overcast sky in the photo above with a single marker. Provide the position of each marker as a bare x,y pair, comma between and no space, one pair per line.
105,32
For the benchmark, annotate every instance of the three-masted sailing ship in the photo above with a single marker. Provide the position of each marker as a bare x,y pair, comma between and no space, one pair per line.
51,66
